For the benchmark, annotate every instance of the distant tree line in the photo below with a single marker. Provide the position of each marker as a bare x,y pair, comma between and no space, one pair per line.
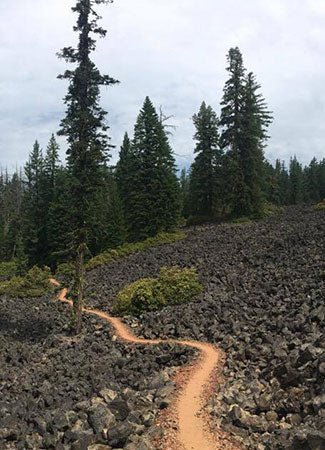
143,195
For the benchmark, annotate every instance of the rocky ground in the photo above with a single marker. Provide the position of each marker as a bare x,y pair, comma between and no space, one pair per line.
59,392
263,303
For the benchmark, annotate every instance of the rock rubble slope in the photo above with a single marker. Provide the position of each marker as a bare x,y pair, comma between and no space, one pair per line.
264,306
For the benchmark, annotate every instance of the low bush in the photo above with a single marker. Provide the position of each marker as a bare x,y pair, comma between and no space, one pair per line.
241,220
34,284
65,270
173,286
270,209
320,206
129,248
8,268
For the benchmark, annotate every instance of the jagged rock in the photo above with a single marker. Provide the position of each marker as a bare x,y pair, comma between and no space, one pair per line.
101,418
118,435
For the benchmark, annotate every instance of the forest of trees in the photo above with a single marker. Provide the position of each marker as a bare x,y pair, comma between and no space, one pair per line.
142,195
53,212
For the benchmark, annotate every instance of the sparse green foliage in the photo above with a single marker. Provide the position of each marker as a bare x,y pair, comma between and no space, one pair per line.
8,268
173,287
65,270
35,283
320,206
129,248
270,209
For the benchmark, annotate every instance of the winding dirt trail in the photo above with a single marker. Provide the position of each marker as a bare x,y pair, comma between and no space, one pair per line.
192,431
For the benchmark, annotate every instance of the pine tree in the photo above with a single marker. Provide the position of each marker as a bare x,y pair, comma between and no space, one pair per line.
51,163
34,209
60,217
311,182
11,199
154,201
205,183
86,131
295,181
231,122
255,120
244,121
126,174
184,182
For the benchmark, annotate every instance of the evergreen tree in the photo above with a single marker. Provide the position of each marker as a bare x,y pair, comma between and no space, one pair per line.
51,163
34,209
255,121
126,175
321,179
244,121
311,182
205,183
295,181
184,182
231,122
11,198
154,200
86,131
60,217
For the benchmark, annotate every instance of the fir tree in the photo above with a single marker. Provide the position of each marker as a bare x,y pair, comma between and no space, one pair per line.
34,209
205,183
244,121
125,175
255,121
231,122
295,181
11,199
86,131
184,182
154,201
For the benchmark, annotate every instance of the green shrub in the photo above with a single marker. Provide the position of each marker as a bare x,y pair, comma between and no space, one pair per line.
34,284
241,220
65,270
320,206
129,248
8,268
270,209
173,286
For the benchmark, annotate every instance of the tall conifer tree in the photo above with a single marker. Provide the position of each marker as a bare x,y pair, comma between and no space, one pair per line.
255,121
231,122
86,131
205,176
154,201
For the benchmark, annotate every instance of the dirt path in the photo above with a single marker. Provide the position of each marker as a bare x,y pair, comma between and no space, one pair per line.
192,429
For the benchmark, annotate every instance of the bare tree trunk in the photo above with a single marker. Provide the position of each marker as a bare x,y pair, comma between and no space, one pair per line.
78,301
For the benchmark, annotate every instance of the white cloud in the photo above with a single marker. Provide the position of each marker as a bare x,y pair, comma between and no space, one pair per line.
174,51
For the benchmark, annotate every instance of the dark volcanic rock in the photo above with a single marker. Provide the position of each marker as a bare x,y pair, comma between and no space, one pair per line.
263,303
59,391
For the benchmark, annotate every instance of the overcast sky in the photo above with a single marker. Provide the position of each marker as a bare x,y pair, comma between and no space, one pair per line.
175,52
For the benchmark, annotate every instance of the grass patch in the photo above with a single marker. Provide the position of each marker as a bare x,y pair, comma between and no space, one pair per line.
241,220
34,284
130,248
320,206
8,268
173,287
270,209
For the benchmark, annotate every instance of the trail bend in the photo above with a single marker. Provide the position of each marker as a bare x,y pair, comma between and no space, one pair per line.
192,429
